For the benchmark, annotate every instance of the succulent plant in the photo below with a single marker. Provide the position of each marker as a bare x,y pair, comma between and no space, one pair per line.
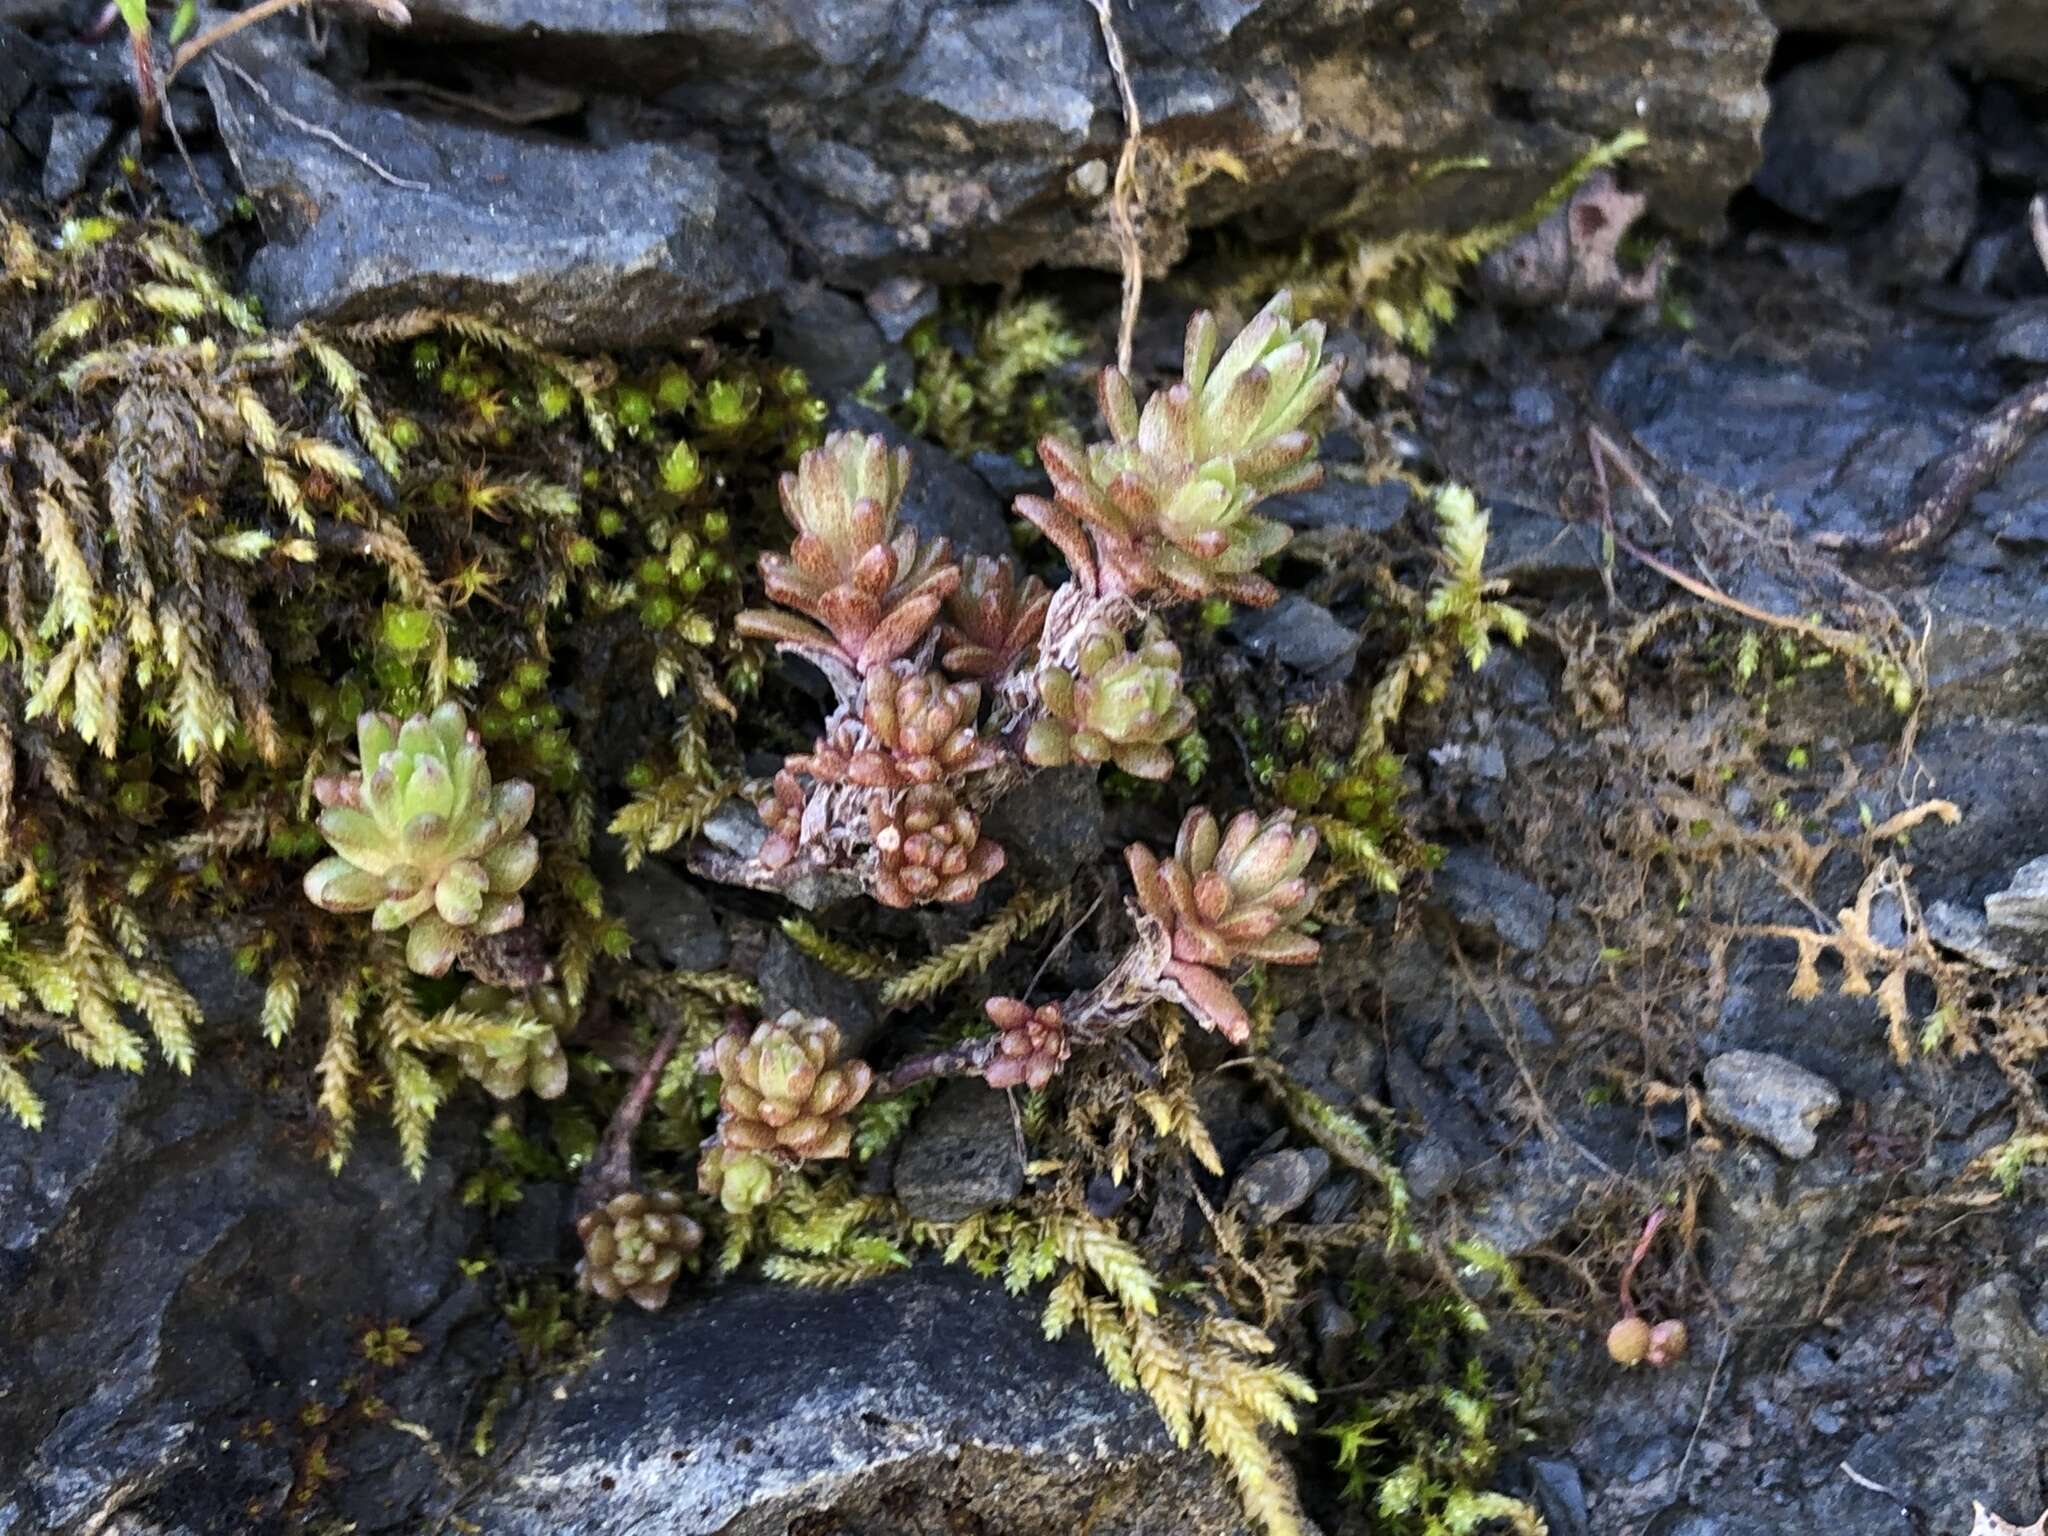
914,728
928,847
1032,1047
785,1092
634,1245
991,621
871,587
520,1062
422,839
781,811
1166,505
740,1181
1224,897
1117,705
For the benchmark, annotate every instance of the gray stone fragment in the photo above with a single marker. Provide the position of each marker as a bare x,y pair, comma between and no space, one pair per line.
1968,933
1853,124
790,978
1493,901
2020,335
834,341
76,139
1560,1494
962,1155
1771,1098
1431,1168
1338,503
1051,824
1936,212
930,1400
1300,634
637,245
1280,1183
2016,918
669,918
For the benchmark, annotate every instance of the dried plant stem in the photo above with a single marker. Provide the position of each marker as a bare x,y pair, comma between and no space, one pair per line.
325,135
611,1171
1123,191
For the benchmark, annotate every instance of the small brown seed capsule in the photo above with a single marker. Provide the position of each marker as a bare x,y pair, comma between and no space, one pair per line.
1628,1341
1667,1343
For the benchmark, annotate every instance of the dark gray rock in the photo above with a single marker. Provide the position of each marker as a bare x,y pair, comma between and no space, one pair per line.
1280,1183
1050,825
1432,1167
76,139
1560,1495
832,339
670,920
1931,224
1299,634
929,1400
2020,335
1376,508
1853,125
945,499
1539,553
1769,1097
2002,38
962,1155
917,139
790,978
637,245
179,1264
1494,902
2016,918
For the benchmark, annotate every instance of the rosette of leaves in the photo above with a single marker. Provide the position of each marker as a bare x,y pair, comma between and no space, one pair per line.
1115,706
1032,1044
867,588
422,839
784,1098
992,621
914,728
634,1246
928,847
1227,896
519,1060
1166,505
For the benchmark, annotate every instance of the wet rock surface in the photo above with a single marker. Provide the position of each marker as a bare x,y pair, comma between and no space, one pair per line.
931,1398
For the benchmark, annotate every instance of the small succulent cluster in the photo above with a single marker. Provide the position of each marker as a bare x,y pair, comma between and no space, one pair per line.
1115,705
1227,896
518,1060
422,839
634,1247
1162,512
1031,1043
784,1098
1166,507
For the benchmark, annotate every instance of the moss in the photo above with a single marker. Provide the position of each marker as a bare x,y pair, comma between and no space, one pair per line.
990,377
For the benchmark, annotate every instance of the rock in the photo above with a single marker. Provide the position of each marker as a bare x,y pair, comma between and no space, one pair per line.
833,340
76,139
1050,825
1539,553
2020,335
637,245
669,918
724,854
937,139
1931,224
1431,1168
179,1266
930,1400
1491,901
790,978
1299,634
1560,1495
1280,1183
962,1156
1376,508
1538,1192
1999,37
2016,918
1770,1097
945,499
1853,125
1968,934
